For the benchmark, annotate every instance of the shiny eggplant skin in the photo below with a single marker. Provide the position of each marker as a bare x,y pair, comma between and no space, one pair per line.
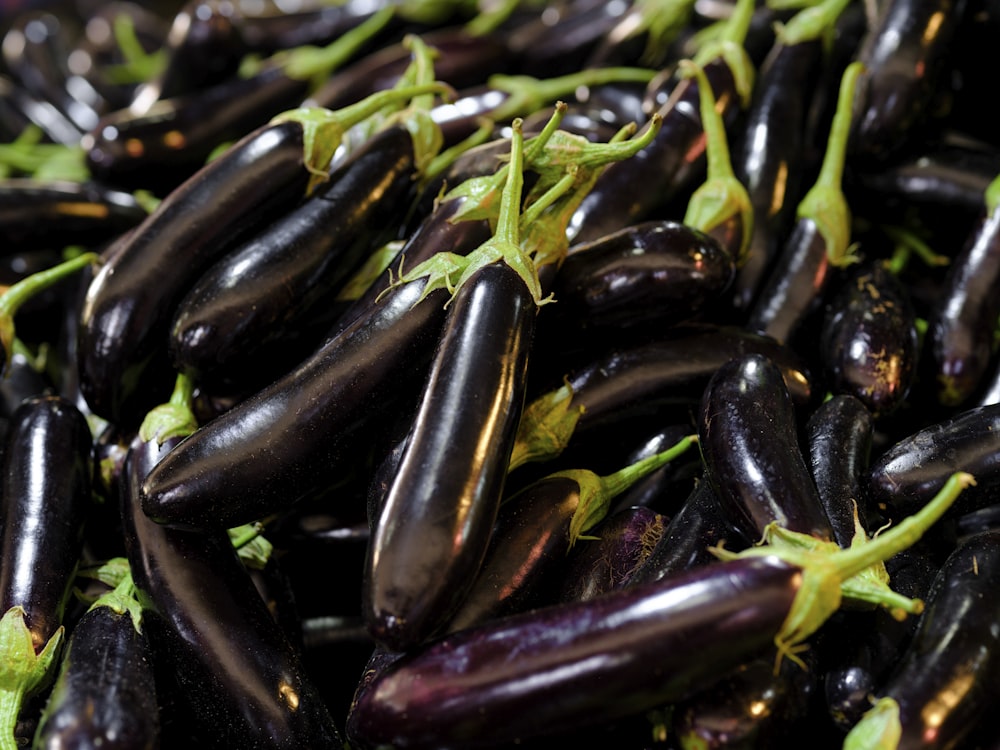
578,664
611,553
660,271
672,163
838,436
960,334
125,318
292,438
55,214
768,155
45,501
433,530
749,439
904,476
869,343
241,678
946,682
270,289
105,694
906,52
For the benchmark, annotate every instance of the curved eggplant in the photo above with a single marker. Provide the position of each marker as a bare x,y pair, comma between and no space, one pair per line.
749,438
264,292
240,677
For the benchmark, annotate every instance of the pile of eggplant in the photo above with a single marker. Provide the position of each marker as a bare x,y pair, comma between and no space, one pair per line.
410,374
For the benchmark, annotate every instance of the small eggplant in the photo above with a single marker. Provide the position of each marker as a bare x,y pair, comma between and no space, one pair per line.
945,684
749,438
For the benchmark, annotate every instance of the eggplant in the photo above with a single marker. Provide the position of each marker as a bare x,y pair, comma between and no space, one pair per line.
125,319
749,439
963,319
432,530
272,288
904,475
906,54
242,680
105,692
839,435
819,240
945,683
46,495
869,342
57,214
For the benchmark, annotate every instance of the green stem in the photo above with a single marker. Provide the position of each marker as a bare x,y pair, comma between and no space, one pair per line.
812,22
992,195
729,45
317,63
508,221
175,418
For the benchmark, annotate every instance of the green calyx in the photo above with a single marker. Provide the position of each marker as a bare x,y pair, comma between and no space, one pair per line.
825,204
830,573
546,425
22,291
122,598
722,197
25,669
324,129
879,729
175,418
661,21
253,549
991,196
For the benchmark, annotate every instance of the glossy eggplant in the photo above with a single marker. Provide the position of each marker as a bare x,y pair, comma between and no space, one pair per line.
945,684
105,693
906,54
749,437
241,678
577,664
310,421
611,553
907,473
247,306
838,436
447,487
661,271
869,342
960,334
53,214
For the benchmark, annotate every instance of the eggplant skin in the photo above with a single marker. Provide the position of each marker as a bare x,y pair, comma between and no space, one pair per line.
948,677
105,694
567,666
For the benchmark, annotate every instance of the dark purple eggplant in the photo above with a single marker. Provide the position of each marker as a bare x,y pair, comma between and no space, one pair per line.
105,693
768,152
654,271
819,240
606,559
945,684
53,214
838,436
125,320
166,146
675,161
960,335
46,495
19,110
241,679
869,342
535,530
433,528
906,53
908,472
247,306
749,439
